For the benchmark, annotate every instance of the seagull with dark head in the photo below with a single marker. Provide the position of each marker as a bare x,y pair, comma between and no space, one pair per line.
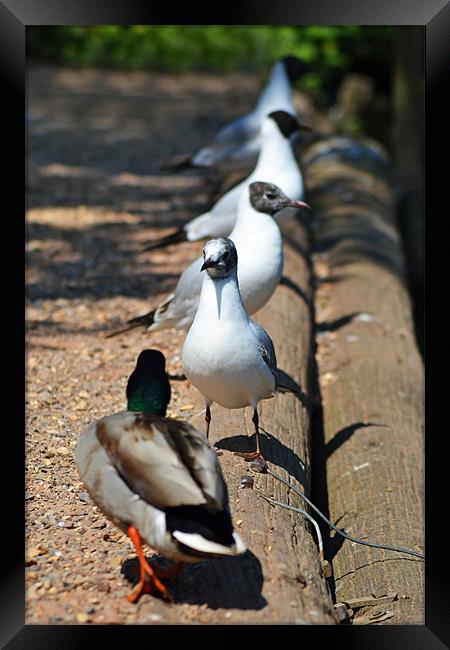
258,241
238,143
276,163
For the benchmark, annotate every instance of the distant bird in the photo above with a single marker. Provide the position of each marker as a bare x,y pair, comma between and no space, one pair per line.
239,141
157,479
228,357
258,240
276,164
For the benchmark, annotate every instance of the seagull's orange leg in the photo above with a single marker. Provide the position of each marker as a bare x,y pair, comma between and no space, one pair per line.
149,580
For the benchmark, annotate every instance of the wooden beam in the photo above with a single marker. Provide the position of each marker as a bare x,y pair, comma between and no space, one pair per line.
370,375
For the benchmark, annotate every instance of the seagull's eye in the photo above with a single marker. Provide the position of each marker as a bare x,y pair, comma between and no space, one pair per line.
226,255
271,196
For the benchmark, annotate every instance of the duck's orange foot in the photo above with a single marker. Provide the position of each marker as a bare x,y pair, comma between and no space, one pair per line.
149,580
142,587
148,584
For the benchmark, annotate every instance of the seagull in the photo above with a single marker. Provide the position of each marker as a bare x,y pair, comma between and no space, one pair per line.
157,479
276,164
257,238
227,356
239,141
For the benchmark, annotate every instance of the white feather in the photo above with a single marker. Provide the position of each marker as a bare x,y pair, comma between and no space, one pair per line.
199,543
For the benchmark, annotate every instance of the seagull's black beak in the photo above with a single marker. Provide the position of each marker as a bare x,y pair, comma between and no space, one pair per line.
207,264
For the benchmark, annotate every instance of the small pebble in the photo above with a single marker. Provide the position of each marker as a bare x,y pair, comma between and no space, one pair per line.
247,481
82,617
84,496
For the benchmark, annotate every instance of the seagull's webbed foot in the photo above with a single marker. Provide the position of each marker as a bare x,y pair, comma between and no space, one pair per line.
258,462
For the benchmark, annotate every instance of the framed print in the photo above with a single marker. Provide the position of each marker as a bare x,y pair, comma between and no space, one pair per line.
127,111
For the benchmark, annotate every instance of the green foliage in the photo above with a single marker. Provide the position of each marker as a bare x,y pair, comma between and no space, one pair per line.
331,50
212,48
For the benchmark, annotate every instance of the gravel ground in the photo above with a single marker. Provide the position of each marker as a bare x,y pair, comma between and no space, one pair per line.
95,141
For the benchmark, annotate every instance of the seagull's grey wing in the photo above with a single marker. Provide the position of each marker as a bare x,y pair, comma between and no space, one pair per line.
242,128
230,142
180,308
219,221
167,462
266,347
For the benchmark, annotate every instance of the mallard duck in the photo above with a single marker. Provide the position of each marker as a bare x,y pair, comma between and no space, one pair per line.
157,479
276,164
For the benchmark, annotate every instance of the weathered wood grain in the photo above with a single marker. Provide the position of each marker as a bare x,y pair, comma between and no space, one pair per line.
370,374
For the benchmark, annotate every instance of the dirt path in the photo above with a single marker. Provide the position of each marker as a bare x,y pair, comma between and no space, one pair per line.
95,141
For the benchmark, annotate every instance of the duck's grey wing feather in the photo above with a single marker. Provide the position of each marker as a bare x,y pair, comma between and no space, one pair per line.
167,462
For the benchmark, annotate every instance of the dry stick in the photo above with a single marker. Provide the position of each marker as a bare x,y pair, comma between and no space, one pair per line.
338,530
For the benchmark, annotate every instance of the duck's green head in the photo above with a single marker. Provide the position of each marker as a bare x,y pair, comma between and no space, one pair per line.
148,389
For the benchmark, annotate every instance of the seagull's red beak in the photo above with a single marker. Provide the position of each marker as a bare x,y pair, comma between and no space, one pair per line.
299,204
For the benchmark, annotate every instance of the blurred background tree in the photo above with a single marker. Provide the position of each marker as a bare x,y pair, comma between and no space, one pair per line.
217,48
370,80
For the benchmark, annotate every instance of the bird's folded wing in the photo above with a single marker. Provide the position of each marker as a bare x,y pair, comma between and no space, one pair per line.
242,128
166,462
266,347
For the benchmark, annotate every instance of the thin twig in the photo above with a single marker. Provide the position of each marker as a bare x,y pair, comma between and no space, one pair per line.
302,512
338,530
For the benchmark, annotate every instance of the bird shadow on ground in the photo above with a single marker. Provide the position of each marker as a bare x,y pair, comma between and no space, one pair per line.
230,583
290,284
345,434
272,449
332,326
321,452
298,246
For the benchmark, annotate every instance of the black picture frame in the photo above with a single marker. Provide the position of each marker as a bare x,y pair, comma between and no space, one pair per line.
15,16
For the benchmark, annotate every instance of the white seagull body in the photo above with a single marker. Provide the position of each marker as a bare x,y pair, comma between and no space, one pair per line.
276,164
228,357
222,355
258,240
